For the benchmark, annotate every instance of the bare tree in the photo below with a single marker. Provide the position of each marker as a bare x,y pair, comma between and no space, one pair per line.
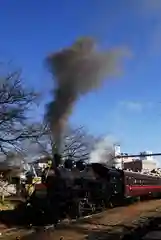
77,144
15,102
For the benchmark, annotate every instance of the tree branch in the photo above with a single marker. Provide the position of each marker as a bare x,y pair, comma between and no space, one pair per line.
15,102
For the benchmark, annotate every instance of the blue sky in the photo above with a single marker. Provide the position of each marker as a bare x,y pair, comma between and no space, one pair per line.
128,107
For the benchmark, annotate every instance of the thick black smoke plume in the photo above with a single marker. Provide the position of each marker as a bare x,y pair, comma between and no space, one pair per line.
76,71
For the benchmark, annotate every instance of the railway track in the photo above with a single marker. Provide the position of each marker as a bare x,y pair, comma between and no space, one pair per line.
104,225
150,230
153,231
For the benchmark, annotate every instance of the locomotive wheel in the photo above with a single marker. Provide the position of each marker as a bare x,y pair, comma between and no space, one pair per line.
108,203
80,208
93,208
103,205
77,209
111,205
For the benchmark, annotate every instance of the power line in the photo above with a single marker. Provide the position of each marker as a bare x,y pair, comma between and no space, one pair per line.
138,155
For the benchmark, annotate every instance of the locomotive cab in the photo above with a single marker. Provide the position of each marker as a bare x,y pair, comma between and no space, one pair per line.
112,183
116,185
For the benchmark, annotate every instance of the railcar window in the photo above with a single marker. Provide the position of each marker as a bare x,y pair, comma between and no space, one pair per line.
132,180
127,180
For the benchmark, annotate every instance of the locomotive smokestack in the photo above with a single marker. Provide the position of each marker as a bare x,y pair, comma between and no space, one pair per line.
57,159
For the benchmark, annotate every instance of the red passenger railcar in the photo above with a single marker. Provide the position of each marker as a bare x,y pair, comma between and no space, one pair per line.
138,184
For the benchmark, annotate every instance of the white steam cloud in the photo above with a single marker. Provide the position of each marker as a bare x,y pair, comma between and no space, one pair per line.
104,152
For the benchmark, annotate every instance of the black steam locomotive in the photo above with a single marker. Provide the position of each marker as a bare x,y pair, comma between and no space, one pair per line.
77,189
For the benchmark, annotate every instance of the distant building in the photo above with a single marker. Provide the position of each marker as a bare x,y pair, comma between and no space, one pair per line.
148,162
117,150
41,163
148,165
134,165
139,165
142,163
119,162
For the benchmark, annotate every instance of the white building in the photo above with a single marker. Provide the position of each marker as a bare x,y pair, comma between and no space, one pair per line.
149,158
148,165
117,150
148,162
118,162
